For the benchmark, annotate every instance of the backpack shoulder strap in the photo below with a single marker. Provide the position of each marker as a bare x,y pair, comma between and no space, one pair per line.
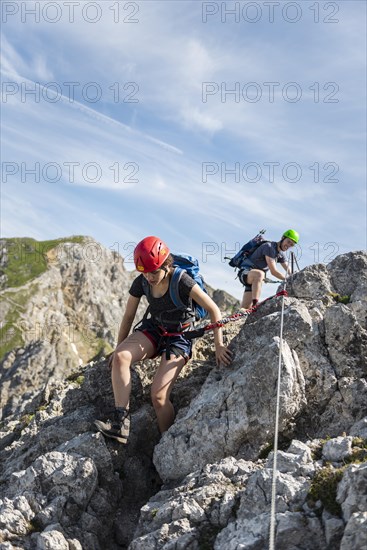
173,288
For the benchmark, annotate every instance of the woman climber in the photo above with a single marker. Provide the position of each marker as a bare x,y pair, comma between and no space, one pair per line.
148,340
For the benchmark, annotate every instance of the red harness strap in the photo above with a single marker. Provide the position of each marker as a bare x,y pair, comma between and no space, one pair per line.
191,334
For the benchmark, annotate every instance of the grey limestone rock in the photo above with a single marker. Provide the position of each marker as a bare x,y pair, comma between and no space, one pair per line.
333,528
355,534
338,448
352,494
65,486
51,539
234,411
348,275
359,429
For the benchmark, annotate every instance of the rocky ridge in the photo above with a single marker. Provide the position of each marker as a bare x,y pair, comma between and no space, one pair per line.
207,482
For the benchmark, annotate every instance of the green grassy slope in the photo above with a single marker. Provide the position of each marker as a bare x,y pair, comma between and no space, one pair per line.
27,258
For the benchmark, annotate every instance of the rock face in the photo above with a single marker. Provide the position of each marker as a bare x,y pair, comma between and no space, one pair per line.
323,382
233,415
62,484
207,482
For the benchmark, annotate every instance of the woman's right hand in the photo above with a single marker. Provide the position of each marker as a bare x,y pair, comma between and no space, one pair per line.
223,355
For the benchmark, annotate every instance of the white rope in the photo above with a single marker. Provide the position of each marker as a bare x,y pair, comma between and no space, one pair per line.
276,430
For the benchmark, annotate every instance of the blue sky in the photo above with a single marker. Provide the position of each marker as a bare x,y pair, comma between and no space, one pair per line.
132,129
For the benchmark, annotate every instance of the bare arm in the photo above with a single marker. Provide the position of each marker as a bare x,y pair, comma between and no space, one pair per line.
128,318
273,268
223,354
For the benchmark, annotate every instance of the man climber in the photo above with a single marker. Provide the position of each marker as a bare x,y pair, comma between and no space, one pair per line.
265,257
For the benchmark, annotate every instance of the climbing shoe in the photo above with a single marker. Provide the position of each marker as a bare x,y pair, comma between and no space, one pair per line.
117,426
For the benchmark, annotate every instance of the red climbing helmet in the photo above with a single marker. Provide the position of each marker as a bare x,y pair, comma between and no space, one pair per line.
150,254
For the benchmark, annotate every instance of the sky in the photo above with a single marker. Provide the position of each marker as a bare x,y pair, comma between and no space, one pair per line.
198,122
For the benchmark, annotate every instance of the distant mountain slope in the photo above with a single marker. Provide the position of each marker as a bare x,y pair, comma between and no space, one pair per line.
23,259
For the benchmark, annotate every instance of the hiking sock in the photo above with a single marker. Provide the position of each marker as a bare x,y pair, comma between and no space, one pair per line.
121,410
254,302
121,413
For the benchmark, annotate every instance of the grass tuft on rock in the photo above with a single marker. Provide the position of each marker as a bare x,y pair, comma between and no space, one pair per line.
324,487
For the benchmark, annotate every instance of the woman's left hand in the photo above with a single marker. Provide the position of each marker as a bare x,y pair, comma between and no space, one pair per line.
223,355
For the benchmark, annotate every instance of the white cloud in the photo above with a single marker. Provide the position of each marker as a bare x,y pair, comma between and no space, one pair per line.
11,61
195,117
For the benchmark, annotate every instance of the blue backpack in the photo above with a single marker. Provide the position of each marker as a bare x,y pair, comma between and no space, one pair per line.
186,263
241,259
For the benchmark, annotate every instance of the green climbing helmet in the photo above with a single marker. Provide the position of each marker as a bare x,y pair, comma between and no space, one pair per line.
291,234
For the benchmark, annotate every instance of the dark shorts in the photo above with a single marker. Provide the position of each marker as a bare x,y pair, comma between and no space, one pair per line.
242,275
170,345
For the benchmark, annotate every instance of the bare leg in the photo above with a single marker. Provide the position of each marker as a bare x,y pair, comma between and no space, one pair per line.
255,279
164,379
135,347
246,300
